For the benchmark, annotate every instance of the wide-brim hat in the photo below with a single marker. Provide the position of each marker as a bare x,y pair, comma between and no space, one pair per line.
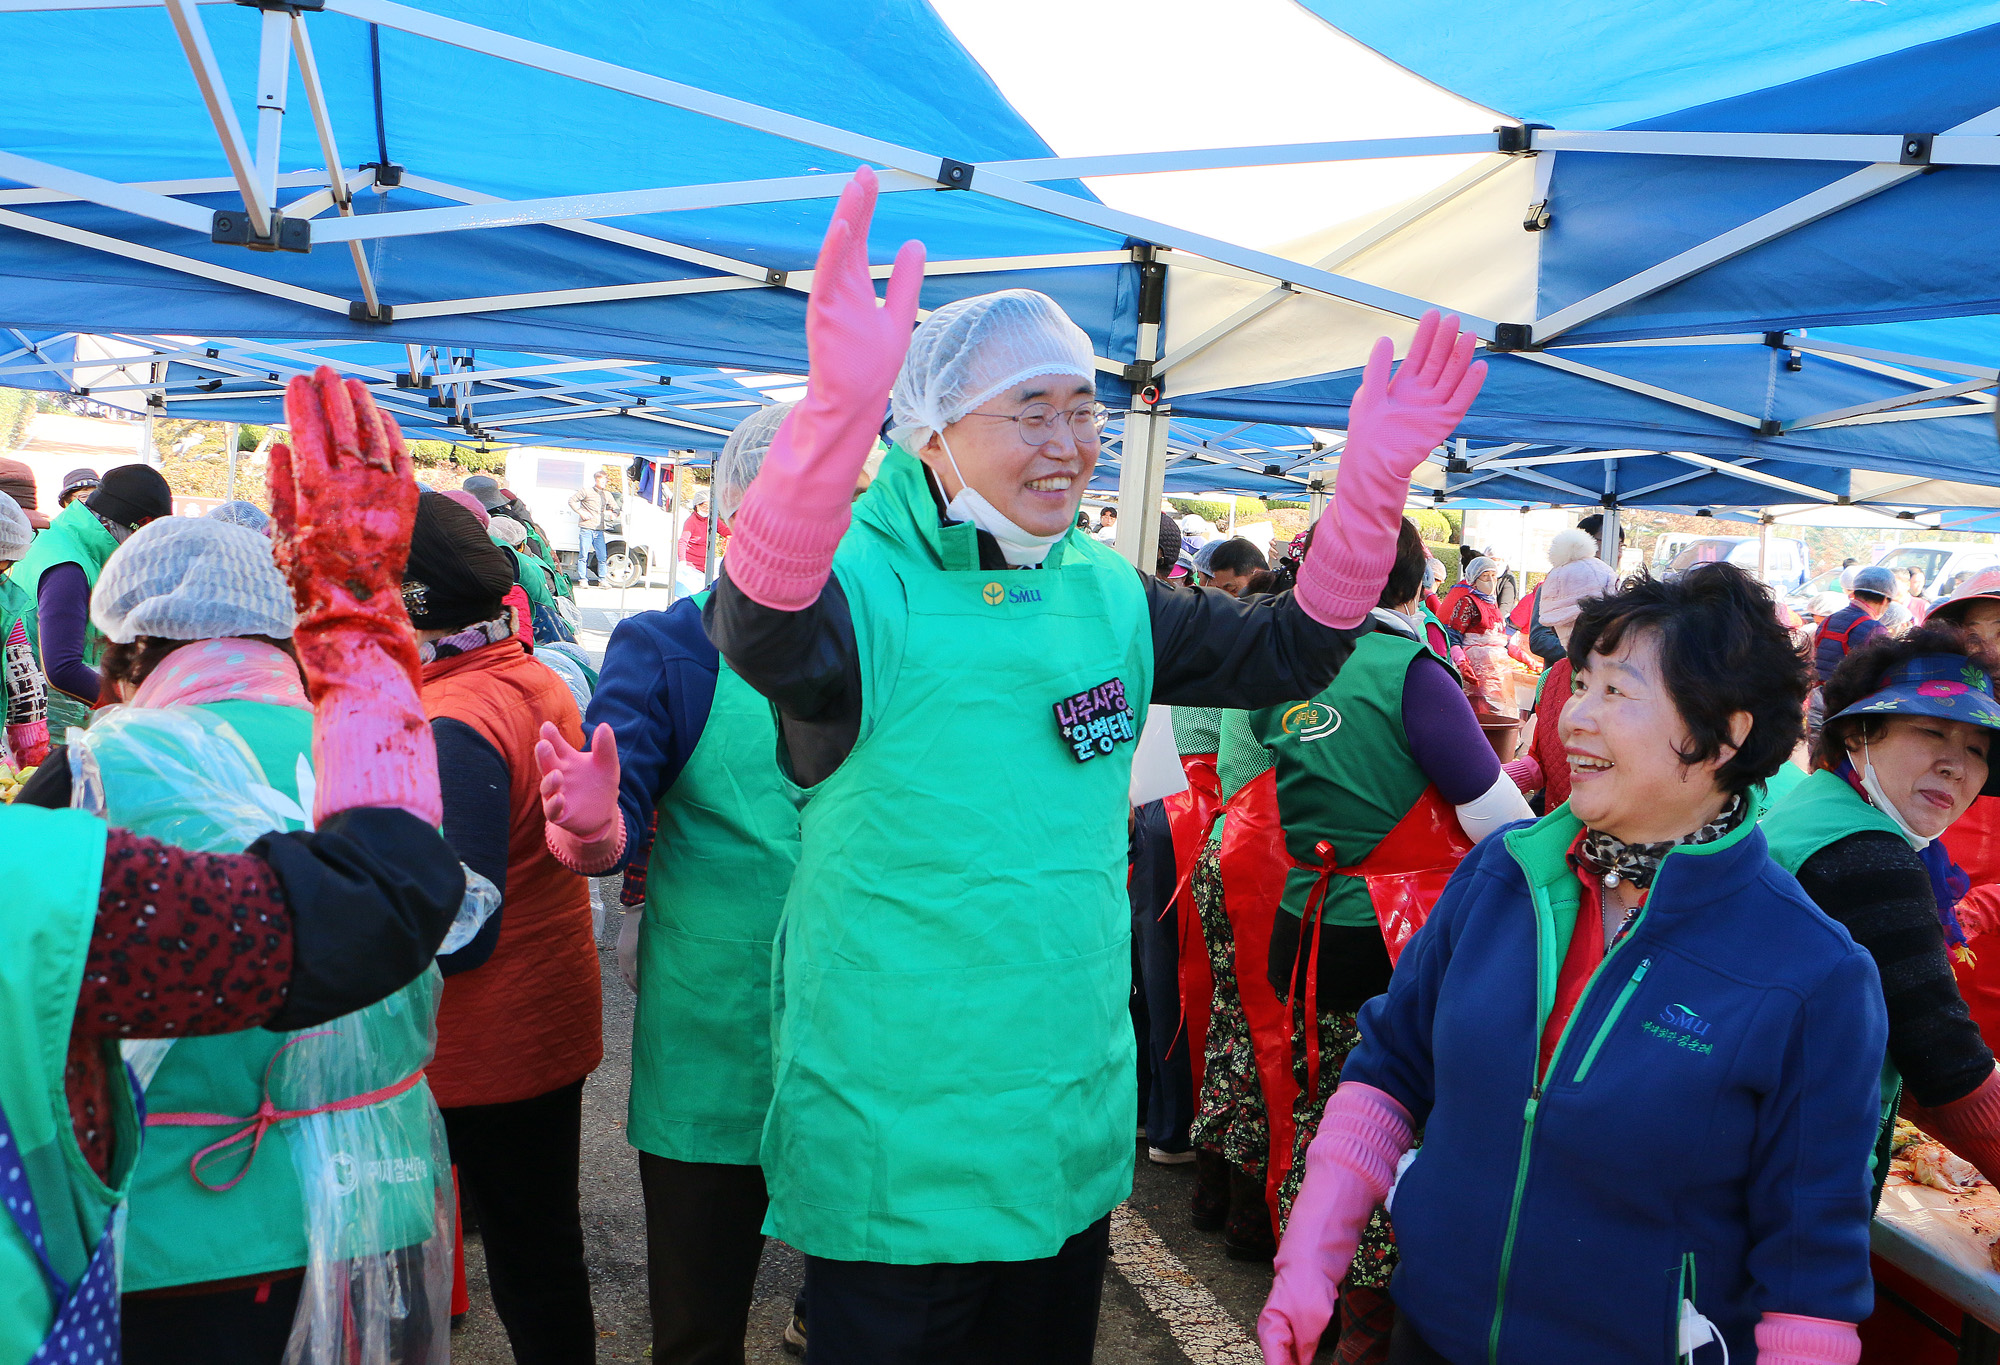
1942,686
1985,583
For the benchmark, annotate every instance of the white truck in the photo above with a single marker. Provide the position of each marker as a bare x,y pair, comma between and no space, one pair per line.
546,480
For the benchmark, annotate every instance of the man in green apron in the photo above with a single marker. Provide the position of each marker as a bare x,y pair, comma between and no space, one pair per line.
711,838
61,568
958,679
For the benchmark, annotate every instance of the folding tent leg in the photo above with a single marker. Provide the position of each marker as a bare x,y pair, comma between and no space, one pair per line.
1142,481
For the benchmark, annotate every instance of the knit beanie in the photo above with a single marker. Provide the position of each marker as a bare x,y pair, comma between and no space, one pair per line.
1578,573
1170,544
15,532
456,576
132,494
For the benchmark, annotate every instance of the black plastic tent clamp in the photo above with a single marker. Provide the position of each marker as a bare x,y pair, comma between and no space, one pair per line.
231,227
1512,336
284,6
357,311
1916,149
954,175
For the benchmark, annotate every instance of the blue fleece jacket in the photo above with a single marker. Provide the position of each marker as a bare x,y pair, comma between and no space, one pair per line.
1703,1128
655,691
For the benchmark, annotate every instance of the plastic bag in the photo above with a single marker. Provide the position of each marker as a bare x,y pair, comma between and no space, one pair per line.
373,1172
565,662
1489,677
377,1185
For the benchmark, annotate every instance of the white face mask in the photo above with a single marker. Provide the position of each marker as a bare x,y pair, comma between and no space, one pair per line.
1880,799
1023,549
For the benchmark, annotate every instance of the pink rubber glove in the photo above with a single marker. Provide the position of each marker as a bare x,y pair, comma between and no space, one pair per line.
1788,1339
1393,425
28,743
343,501
580,800
784,535
1349,1168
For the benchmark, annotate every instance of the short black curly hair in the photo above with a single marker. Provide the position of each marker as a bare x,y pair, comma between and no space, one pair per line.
1860,675
1722,650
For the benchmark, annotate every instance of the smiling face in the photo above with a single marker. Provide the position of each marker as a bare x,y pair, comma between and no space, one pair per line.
1931,769
1623,735
1037,487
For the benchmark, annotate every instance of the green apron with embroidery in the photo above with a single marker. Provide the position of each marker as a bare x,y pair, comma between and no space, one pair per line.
727,841
955,1070
1345,773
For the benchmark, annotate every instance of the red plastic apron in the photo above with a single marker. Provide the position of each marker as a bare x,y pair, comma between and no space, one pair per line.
1254,864
1190,816
1406,873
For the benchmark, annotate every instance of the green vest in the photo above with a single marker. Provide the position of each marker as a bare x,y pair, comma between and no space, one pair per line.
179,1232
1345,773
77,537
50,862
954,1053
722,859
1823,809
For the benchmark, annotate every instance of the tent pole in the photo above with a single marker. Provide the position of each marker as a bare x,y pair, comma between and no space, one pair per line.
1142,479
149,453
1608,547
229,481
711,564
1763,546
674,538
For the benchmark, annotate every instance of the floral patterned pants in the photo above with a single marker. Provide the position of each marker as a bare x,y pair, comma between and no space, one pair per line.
1229,1112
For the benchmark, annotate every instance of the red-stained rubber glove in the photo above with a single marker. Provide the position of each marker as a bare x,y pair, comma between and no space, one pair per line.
783,537
1393,425
343,501
1969,1126
580,800
1979,910
1788,1339
1349,1169
28,743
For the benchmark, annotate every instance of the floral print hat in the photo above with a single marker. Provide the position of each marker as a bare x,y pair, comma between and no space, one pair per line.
1947,686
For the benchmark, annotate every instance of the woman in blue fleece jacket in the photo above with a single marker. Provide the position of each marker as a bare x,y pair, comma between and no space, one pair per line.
1645,1064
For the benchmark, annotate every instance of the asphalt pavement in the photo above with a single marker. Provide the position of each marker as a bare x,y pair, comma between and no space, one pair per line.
1170,1297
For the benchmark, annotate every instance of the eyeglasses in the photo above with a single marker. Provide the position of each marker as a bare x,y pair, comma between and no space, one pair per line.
1038,423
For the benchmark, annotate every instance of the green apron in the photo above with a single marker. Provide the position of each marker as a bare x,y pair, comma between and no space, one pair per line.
76,537
954,1056
1819,810
179,1231
727,841
1345,772
50,862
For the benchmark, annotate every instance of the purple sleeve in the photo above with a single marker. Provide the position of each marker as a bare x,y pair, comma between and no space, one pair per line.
62,614
1444,735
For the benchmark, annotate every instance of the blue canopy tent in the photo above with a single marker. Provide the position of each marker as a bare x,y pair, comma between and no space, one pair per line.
649,185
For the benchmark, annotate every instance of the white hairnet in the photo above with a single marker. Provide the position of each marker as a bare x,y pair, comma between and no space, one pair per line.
968,351
743,455
507,531
15,532
245,514
192,578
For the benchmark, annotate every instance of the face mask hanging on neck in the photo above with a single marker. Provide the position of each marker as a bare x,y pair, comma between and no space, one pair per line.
1880,800
1023,549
